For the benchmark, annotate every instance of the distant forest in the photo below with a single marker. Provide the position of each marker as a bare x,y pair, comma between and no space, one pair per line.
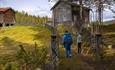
23,17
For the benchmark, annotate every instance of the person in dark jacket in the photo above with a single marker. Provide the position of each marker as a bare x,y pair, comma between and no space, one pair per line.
67,41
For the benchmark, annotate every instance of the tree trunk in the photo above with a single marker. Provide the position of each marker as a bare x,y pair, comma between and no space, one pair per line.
98,34
81,15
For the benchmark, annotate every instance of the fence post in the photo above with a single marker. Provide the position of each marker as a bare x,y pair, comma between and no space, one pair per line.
53,51
98,45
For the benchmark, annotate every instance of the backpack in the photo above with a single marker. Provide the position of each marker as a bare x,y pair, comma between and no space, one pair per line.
68,38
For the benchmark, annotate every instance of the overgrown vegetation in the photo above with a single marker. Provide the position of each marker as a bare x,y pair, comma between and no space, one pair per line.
30,54
107,55
34,58
37,57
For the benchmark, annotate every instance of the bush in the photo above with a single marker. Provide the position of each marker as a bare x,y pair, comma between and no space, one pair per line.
36,57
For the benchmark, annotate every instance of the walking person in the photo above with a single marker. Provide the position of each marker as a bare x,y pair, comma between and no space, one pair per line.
67,42
79,43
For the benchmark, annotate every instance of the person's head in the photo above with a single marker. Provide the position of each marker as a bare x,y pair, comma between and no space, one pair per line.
66,31
79,34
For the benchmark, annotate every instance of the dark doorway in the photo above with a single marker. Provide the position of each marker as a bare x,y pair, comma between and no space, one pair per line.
0,24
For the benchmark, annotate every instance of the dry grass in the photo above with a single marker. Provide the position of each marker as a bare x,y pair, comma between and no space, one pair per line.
12,37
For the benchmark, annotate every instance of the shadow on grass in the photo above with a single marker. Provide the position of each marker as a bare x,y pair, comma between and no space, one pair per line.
13,53
9,43
43,34
9,50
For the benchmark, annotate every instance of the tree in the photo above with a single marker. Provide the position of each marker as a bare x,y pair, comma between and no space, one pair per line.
113,10
24,17
114,13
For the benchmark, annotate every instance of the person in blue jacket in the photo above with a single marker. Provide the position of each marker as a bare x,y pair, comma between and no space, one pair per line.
67,42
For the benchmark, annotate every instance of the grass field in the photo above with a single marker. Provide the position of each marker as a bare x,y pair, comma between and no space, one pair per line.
24,34
12,37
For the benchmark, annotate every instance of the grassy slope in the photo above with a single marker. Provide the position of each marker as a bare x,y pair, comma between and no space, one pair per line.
24,34
109,33
11,37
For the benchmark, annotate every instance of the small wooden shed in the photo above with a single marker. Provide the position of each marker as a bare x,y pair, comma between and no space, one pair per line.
7,17
69,12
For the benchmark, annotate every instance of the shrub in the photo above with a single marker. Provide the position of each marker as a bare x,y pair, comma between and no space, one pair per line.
36,57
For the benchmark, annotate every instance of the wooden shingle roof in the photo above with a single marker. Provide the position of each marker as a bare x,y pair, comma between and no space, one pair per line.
3,10
70,3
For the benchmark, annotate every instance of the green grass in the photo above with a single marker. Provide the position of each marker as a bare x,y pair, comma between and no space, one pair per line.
12,37
28,36
24,34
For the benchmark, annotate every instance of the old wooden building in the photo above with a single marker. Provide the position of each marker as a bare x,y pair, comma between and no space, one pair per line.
65,11
7,17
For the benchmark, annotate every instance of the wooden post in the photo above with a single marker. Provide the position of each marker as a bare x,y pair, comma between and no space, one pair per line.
98,36
54,51
98,42
54,46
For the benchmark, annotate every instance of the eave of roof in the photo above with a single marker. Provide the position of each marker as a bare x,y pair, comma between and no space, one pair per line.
3,10
55,5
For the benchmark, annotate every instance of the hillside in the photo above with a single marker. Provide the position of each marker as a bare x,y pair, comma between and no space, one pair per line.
110,22
108,28
109,34
23,35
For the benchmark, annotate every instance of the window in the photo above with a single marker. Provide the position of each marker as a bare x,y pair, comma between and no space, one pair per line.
1,15
0,24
